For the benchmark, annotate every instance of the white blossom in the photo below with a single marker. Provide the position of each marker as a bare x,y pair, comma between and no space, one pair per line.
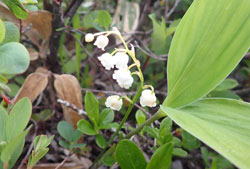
89,37
107,61
123,78
121,60
148,98
101,41
114,102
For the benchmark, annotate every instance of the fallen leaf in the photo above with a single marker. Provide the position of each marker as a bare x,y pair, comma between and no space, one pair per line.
33,86
68,89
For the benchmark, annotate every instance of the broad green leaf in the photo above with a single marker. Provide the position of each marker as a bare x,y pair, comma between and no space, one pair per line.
92,107
223,124
162,157
12,33
67,131
129,156
14,58
85,127
210,41
17,8
18,118
2,31
159,36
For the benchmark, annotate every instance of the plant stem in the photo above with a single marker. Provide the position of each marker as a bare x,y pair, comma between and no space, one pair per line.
155,117
111,150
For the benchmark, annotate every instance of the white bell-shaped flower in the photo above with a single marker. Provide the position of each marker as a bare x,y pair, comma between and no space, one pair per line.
89,37
121,60
123,78
101,41
107,61
148,98
114,102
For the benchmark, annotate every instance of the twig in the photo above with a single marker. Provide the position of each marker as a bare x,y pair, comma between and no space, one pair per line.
145,50
72,106
71,10
172,9
63,162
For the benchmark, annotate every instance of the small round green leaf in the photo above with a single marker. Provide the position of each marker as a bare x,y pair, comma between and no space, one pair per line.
12,33
14,58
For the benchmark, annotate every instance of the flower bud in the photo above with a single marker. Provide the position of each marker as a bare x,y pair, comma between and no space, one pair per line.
114,102
123,78
148,98
89,37
107,61
101,41
121,60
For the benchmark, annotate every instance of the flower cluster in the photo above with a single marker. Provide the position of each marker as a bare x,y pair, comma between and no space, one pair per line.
119,61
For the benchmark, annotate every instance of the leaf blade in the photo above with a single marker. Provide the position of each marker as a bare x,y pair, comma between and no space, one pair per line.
223,124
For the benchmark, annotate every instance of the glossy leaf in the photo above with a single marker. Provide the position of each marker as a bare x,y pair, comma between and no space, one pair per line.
223,124
14,58
162,157
129,156
211,39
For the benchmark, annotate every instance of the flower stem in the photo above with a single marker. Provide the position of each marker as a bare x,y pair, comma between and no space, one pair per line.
111,150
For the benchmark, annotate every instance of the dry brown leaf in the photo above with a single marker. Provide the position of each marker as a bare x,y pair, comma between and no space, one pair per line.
33,86
38,27
34,55
68,89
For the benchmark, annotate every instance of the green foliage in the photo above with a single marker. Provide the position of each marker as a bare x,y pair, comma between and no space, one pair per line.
67,131
162,157
223,124
14,58
140,117
70,136
189,142
12,133
100,141
106,117
12,33
85,127
41,144
206,48
159,36
17,8
2,31
92,107
129,156
99,19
